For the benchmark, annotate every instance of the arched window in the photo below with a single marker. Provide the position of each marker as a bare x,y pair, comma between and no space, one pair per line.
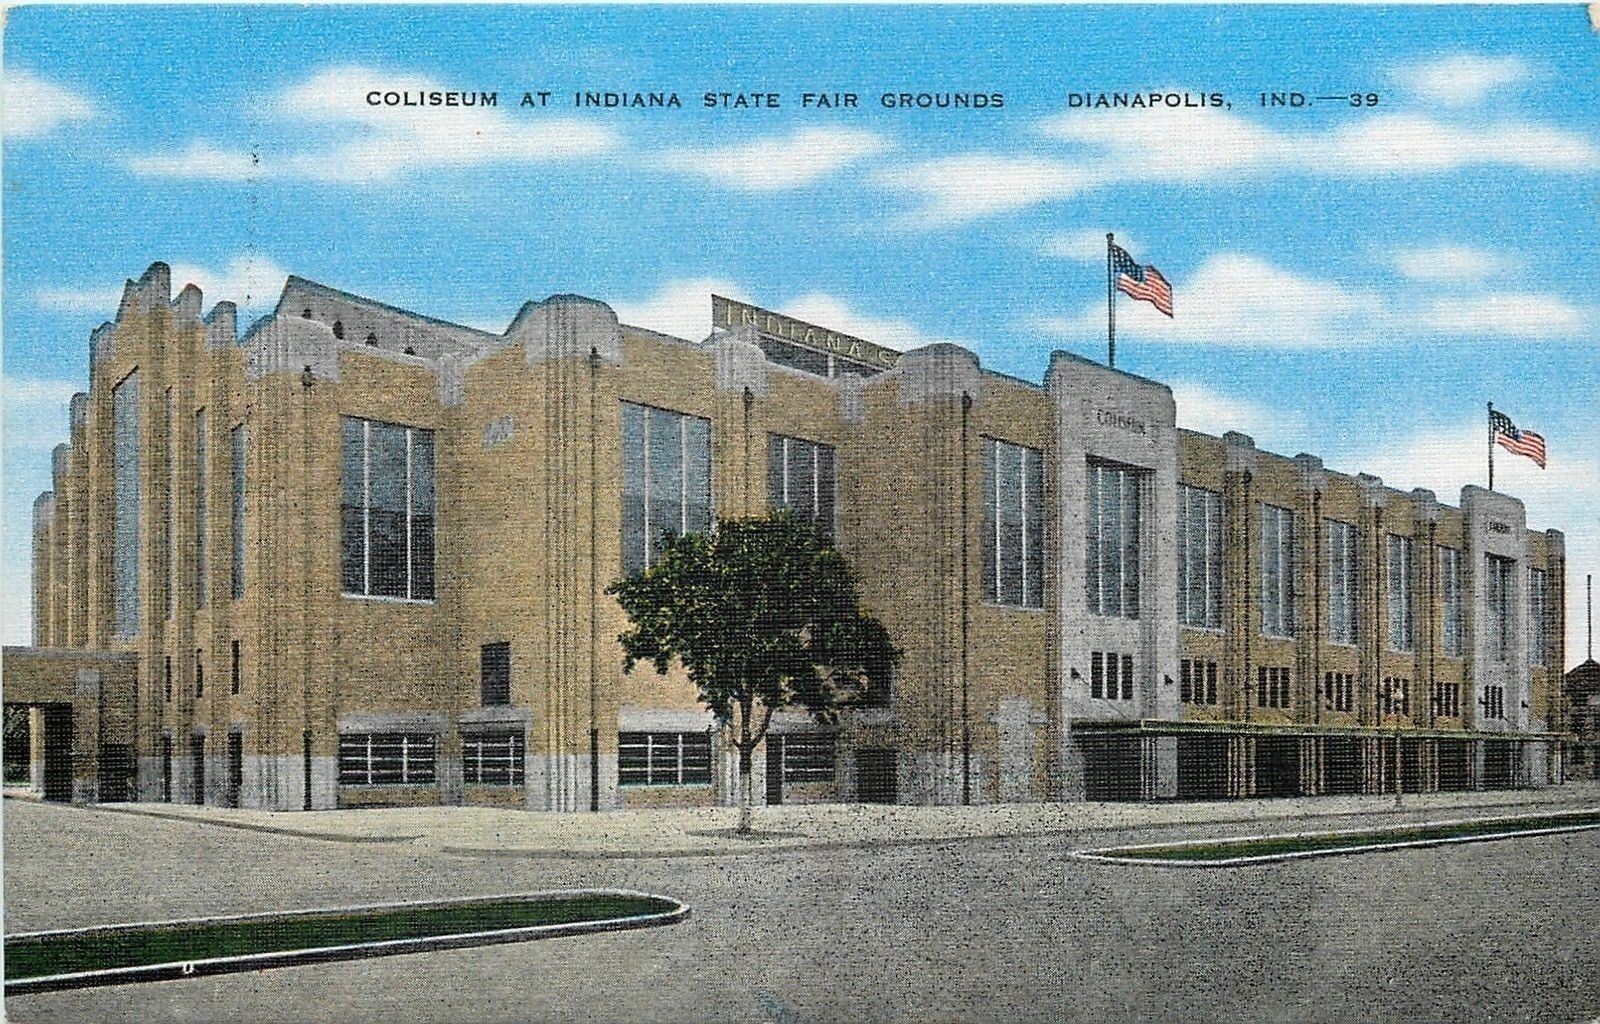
306,313
410,351
338,329
372,338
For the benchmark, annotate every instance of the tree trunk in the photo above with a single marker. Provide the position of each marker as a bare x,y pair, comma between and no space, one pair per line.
744,790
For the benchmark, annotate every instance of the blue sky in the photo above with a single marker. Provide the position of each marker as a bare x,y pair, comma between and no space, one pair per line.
1355,282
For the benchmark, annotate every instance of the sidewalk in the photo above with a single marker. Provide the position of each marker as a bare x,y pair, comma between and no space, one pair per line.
708,831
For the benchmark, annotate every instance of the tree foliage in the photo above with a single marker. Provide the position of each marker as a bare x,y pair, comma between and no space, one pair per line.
763,615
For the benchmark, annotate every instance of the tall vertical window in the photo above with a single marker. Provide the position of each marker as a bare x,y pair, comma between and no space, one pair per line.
1344,582
1199,557
235,667
125,511
1497,595
666,480
1111,574
800,477
200,508
1451,592
1538,613
1402,568
386,513
1013,524
494,668
199,673
170,507
238,510
1277,571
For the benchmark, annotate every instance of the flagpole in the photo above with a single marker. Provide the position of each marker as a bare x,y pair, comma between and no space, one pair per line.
1111,308
1491,446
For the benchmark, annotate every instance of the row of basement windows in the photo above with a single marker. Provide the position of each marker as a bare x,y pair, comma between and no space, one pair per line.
1198,685
498,758
387,527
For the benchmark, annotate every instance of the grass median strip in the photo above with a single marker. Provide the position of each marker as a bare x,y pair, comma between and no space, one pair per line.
1254,849
131,952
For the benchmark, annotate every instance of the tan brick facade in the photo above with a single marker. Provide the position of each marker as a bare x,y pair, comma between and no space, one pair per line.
992,700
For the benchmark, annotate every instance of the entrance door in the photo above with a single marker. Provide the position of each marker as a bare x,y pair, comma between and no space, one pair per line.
876,776
199,748
57,752
774,770
116,773
235,767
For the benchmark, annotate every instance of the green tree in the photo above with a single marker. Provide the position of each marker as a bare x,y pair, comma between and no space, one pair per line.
763,614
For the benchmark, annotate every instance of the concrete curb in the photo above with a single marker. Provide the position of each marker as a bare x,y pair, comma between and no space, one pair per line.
548,853
1102,856
347,951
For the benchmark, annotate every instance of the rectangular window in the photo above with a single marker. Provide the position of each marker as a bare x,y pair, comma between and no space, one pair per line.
494,664
1446,700
1538,616
1272,687
1013,524
1110,675
1111,574
800,477
166,690
1402,571
1493,702
1497,595
235,669
1344,582
1199,557
1277,571
386,517
807,757
170,506
494,758
387,758
238,437
1451,592
1198,684
666,480
664,758
1395,697
1338,691
199,673
125,504
200,508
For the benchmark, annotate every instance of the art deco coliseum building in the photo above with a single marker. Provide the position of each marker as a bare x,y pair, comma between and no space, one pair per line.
358,556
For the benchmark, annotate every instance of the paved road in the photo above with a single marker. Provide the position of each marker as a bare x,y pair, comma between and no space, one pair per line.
996,930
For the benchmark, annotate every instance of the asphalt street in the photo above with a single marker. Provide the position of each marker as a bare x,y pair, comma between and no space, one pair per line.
978,930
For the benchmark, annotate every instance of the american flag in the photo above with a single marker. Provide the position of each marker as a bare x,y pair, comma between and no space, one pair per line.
1139,282
1521,442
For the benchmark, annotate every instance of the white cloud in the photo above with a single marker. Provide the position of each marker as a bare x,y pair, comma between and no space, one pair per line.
1239,300
1566,496
775,164
1446,263
682,308
958,189
1213,146
1510,314
1213,412
1087,245
35,108
383,142
1464,79
201,161
250,282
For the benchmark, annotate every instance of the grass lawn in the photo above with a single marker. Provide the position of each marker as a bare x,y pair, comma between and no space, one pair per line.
1270,846
182,943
